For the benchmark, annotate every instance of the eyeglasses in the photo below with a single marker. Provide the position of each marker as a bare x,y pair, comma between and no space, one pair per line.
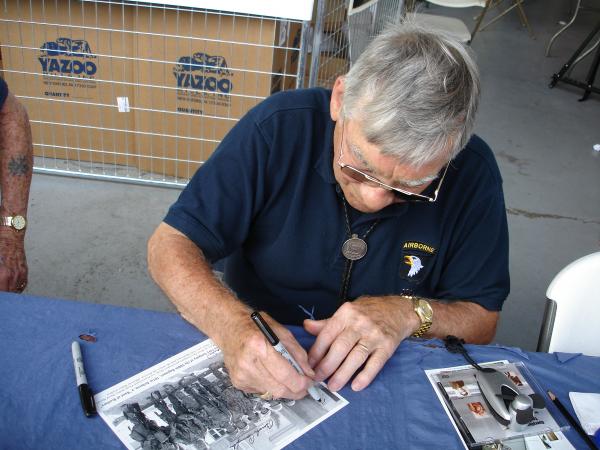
370,180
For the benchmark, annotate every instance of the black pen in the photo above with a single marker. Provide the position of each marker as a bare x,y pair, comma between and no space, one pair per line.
85,393
279,347
572,421
463,430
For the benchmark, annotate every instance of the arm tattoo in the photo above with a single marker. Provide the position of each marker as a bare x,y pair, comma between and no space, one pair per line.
18,165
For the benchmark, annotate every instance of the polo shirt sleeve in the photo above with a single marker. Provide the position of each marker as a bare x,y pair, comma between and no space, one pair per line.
217,207
3,92
476,265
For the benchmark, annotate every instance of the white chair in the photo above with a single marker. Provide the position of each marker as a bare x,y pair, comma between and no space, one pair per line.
571,321
486,5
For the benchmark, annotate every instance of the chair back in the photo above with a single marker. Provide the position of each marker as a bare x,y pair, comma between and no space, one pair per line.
572,318
449,25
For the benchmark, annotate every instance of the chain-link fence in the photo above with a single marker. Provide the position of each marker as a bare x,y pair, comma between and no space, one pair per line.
139,91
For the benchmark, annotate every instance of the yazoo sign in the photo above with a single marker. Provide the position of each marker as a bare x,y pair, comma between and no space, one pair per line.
203,72
67,56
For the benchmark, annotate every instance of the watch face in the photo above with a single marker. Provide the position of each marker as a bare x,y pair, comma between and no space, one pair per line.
18,222
426,309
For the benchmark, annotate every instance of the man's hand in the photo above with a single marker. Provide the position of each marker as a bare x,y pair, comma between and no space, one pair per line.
13,265
179,268
368,330
255,366
365,332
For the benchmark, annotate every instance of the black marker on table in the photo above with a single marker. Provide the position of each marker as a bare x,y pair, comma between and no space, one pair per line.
279,347
85,393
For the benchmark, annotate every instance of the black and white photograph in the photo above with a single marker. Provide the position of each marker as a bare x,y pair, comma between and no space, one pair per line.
267,224
188,402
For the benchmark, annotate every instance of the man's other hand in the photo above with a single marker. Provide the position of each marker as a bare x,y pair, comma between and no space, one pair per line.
365,332
254,366
13,264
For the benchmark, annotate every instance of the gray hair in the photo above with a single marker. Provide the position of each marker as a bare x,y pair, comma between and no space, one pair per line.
415,93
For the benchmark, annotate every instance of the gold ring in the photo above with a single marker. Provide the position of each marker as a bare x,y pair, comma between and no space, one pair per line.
363,347
266,396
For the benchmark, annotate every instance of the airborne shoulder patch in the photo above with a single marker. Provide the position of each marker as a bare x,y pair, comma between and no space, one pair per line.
416,260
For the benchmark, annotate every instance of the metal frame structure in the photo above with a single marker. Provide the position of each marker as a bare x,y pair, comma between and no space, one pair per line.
343,28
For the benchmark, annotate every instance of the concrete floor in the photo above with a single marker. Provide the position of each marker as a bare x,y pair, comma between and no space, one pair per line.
87,239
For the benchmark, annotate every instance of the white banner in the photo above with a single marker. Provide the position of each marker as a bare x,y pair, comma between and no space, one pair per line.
294,10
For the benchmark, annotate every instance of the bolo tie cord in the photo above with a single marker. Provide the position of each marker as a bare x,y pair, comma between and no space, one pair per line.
349,262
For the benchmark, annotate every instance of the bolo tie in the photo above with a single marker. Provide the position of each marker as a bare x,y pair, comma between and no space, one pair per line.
353,249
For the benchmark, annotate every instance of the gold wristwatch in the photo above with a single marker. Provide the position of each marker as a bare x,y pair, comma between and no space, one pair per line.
16,222
423,309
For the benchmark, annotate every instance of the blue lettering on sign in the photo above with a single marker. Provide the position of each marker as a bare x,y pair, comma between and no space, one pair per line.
67,56
68,66
203,72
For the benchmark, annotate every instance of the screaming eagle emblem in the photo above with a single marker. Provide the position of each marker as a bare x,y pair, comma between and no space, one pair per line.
417,261
415,265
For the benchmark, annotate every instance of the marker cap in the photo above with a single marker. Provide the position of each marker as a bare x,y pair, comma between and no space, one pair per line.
265,328
87,400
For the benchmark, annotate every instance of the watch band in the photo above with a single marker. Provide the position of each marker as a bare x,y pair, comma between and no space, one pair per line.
422,329
6,221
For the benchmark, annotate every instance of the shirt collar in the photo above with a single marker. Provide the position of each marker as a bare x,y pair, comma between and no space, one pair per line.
324,162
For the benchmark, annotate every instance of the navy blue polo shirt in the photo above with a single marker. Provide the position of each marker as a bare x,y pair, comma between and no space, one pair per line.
267,201
3,92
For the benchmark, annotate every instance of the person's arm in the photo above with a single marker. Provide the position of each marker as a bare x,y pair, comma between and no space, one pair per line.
369,329
16,161
180,269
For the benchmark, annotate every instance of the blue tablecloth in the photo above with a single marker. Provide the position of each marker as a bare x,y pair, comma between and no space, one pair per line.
39,404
